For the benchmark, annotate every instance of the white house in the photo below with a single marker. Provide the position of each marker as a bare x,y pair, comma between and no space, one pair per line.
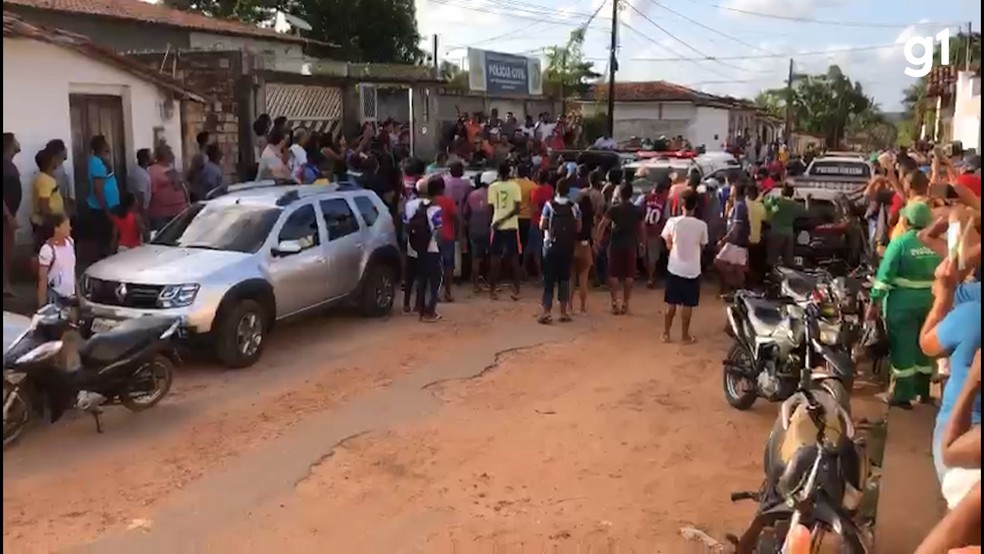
60,85
654,108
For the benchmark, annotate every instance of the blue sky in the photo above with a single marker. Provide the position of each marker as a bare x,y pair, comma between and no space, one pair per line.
531,25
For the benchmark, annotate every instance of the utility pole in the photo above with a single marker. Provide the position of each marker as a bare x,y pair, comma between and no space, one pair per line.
789,105
437,63
612,68
969,41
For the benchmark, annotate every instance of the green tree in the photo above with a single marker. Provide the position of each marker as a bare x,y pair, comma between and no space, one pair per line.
376,31
567,72
823,105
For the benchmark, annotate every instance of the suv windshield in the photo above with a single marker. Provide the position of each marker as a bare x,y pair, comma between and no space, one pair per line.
220,226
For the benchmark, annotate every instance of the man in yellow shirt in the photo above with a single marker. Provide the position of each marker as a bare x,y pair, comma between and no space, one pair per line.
757,215
48,200
505,197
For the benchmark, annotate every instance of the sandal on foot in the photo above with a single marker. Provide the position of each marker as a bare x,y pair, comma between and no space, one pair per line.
565,318
545,319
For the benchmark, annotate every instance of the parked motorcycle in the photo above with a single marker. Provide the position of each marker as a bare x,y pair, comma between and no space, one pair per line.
812,322
130,365
815,472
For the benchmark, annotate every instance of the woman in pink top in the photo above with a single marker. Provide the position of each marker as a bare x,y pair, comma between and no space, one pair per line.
168,196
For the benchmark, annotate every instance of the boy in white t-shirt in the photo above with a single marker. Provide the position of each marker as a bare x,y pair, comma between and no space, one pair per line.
56,262
686,237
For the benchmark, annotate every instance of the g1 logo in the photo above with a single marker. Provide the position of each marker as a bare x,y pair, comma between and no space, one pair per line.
920,65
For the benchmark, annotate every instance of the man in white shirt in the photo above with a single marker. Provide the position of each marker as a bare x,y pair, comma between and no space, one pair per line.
686,237
298,154
272,164
605,142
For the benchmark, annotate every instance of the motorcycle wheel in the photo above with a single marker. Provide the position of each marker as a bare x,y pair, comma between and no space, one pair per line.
16,418
161,371
734,392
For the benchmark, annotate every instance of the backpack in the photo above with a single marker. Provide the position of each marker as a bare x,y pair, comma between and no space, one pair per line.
419,234
562,226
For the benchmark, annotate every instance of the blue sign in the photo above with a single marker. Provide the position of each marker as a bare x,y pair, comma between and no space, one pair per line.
505,73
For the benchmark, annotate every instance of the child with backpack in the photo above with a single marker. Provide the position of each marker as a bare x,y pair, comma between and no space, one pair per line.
560,223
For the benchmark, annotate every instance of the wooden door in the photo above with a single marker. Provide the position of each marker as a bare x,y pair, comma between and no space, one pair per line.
94,115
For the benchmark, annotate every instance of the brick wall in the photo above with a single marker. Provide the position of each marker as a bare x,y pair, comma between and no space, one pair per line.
219,76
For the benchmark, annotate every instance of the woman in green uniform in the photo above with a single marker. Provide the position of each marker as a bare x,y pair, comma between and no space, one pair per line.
903,293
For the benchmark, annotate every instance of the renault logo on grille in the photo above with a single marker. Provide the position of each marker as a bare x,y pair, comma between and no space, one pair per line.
121,292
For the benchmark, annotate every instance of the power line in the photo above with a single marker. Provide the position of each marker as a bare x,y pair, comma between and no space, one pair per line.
681,41
532,17
797,19
694,61
711,29
771,56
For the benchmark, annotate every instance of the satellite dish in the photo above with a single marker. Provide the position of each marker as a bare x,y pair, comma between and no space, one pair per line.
297,22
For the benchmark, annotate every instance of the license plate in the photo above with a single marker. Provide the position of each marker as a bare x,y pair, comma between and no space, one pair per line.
100,325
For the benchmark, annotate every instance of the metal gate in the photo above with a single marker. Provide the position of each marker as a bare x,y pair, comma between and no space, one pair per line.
315,107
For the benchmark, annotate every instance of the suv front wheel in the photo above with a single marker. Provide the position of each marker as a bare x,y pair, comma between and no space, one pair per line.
378,291
240,334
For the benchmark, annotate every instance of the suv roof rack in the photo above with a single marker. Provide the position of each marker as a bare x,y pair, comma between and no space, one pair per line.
250,185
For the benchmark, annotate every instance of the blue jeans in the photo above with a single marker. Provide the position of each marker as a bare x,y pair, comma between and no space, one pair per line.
429,272
556,274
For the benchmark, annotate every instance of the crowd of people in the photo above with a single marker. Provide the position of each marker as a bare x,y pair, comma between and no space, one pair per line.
572,227
924,218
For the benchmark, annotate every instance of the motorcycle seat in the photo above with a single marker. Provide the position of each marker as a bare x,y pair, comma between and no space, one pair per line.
765,314
128,337
798,283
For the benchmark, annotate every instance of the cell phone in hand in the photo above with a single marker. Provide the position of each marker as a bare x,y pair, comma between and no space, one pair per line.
954,235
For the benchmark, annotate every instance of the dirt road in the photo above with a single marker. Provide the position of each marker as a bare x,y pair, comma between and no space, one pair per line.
485,431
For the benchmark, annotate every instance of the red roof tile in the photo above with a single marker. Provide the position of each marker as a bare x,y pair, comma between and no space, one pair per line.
647,91
138,10
15,27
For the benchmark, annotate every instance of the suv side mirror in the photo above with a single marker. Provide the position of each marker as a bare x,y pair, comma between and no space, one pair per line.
287,248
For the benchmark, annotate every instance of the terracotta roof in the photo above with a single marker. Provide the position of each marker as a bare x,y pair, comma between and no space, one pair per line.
15,27
647,91
137,10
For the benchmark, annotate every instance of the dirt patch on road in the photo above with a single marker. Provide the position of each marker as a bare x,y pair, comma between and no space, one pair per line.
612,440
86,498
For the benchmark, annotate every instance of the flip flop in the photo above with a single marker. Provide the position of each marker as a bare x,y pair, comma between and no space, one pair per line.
689,340
544,319
666,338
616,310
565,318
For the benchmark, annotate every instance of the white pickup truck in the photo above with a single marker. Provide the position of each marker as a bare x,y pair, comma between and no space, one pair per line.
828,177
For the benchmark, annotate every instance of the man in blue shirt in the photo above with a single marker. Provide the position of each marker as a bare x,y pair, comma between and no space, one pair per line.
952,328
104,194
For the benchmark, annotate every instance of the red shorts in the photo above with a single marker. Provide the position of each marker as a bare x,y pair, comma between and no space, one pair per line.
621,263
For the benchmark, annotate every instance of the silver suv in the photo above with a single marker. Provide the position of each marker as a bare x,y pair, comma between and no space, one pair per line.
234,265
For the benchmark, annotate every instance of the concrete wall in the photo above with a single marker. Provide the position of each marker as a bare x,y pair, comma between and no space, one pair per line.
271,54
647,119
709,128
220,76
36,105
115,34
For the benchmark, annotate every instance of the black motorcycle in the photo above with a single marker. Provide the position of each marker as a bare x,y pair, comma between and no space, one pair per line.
812,323
131,365
815,472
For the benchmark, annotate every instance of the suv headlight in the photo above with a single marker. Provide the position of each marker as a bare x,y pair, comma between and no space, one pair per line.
177,296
